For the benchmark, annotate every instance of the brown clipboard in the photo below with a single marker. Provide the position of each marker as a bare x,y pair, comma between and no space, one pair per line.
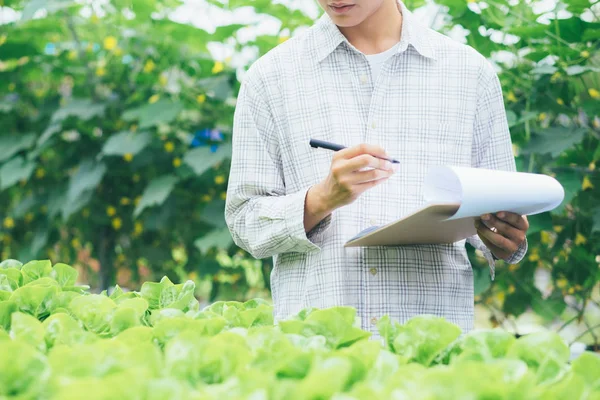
427,225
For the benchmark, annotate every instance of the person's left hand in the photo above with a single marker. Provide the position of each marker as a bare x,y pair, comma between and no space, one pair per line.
503,232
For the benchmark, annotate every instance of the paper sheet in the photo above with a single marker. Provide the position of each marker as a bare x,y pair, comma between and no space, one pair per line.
480,191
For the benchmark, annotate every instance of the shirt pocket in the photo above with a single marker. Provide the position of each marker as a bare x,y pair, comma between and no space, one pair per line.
425,143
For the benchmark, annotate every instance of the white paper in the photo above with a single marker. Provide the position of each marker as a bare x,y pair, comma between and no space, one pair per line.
482,191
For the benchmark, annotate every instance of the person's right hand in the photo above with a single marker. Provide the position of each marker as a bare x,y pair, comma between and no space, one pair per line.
347,180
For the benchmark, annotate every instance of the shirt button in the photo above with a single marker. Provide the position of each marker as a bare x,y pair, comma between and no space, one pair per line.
363,78
373,271
374,321
373,221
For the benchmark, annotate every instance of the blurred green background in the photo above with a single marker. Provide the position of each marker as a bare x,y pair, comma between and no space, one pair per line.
115,124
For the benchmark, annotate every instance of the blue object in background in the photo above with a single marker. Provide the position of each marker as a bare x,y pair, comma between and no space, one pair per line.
203,136
50,49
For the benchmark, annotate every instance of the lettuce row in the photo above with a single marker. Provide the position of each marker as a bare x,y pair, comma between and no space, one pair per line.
59,341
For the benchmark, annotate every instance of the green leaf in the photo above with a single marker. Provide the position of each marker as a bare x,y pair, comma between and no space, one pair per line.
94,311
551,307
156,193
571,182
50,6
540,222
214,213
35,270
36,298
82,184
83,109
15,170
580,69
481,280
12,144
23,376
126,142
554,141
28,329
163,111
218,87
219,238
535,348
201,159
64,274
596,220
587,366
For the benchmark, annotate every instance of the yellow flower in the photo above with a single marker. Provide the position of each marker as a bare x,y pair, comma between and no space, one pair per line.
72,55
85,212
163,80
133,128
116,223
100,71
40,173
594,93
193,275
9,223
580,239
110,211
136,201
110,42
500,297
169,147
138,227
596,123
511,97
118,52
283,39
587,184
534,256
542,116
571,290
558,228
218,67
128,157
555,77
135,178
177,162
28,217
223,195
154,98
511,289
560,101
206,198
513,267
545,237
149,66
201,98
3,39
125,201
561,283
75,243
220,179
585,54
592,166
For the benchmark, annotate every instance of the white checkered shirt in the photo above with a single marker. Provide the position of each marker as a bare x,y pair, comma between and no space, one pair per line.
436,101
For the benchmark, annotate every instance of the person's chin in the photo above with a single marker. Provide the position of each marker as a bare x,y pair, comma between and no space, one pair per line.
344,22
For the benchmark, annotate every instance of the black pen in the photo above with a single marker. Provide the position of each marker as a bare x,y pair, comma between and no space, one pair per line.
337,147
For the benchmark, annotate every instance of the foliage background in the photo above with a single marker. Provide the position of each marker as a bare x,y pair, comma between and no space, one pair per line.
115,122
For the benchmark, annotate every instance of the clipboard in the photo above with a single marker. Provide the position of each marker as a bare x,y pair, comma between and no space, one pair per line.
428,225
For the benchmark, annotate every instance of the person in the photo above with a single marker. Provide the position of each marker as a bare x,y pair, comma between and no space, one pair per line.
370,76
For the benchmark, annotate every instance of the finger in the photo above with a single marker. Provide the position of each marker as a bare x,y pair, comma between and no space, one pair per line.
367,185
368,176
357,150
503,228
367,161
495,238
516,220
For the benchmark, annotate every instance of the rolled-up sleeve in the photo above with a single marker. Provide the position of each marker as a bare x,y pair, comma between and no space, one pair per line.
262,217
492,146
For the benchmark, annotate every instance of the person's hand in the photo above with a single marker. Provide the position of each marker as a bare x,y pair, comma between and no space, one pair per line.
502,233
348,178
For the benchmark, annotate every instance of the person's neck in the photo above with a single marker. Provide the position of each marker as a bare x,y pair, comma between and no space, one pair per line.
379,32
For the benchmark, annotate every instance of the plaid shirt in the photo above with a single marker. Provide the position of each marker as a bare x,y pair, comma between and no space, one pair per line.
435,101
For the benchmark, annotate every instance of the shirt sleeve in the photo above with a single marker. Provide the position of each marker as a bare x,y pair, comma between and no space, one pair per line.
262,217
492,147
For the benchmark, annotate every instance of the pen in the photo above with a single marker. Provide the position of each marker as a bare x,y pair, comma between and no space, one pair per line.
337,147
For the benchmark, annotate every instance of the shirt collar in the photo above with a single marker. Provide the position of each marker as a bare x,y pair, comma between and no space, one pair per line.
414,34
